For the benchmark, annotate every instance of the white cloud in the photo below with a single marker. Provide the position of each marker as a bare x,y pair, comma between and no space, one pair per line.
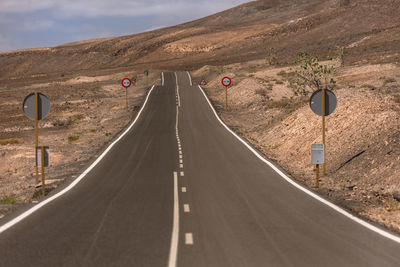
94,8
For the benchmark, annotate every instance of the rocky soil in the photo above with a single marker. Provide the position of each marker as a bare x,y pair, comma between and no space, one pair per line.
363,139
86,113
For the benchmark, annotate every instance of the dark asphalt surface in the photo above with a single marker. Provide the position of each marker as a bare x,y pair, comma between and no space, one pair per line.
242,213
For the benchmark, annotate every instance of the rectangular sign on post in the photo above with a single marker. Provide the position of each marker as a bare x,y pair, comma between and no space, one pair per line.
317,154
39,156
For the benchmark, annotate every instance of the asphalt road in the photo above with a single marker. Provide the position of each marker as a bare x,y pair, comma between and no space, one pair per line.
234,210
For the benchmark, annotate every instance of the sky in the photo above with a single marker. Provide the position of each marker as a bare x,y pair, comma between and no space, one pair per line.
48,23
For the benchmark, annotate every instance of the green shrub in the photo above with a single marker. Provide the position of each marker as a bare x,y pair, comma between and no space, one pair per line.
73,138
11,199
10,141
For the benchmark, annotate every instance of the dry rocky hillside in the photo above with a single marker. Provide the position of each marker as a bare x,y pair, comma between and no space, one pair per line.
363,150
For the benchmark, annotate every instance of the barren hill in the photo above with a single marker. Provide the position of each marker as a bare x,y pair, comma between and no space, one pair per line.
369,29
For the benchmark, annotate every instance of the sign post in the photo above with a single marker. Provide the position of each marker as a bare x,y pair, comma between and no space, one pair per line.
146,73
126,82
317,158
42,160
323,102
226,81
36,106
36,134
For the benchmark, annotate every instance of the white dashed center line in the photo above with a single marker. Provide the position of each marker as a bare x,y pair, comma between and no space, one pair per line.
189,239
182,174
186,208
183,189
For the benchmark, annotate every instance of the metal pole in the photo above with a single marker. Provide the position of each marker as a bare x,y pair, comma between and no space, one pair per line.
36,134
317,176
43,178
323,130
226,97
126,91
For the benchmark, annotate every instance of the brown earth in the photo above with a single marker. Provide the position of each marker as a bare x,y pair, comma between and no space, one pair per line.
362,134
82,80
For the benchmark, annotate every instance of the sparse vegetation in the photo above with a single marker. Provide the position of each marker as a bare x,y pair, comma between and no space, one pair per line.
289,105
313,75
281,73
389,80
275,146
340,55
92,130
134,80
7,141
262,92
271,57
6,200
73,138
369,86
107,133
396,98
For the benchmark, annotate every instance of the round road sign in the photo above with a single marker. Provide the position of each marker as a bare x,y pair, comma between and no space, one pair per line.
28,106
226,81
126,82
316,102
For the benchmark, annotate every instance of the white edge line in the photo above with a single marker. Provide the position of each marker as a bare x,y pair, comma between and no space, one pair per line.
77,180
162,78
190,78
173,252
305,190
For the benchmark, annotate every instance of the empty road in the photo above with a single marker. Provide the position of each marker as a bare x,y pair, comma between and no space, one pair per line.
180,190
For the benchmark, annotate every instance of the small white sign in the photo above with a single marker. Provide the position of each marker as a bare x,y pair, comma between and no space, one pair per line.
317,154
39,156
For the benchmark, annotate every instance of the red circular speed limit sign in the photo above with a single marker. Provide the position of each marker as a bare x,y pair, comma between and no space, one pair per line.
226,81
126,82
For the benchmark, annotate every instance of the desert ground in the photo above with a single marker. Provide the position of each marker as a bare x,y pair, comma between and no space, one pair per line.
86,113
82,81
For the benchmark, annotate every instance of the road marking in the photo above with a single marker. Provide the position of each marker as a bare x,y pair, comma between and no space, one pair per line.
180,156
180,161
162,78
180,152
189,239
22,216
186,208
182,174
181,166
183,189
177,90
173,252
190,78
298,186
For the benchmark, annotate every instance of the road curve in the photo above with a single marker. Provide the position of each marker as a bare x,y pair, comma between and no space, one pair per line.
120,214
180,190
242,213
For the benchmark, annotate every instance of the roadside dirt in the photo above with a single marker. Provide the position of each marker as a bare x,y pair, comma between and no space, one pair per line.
87,111
362,134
